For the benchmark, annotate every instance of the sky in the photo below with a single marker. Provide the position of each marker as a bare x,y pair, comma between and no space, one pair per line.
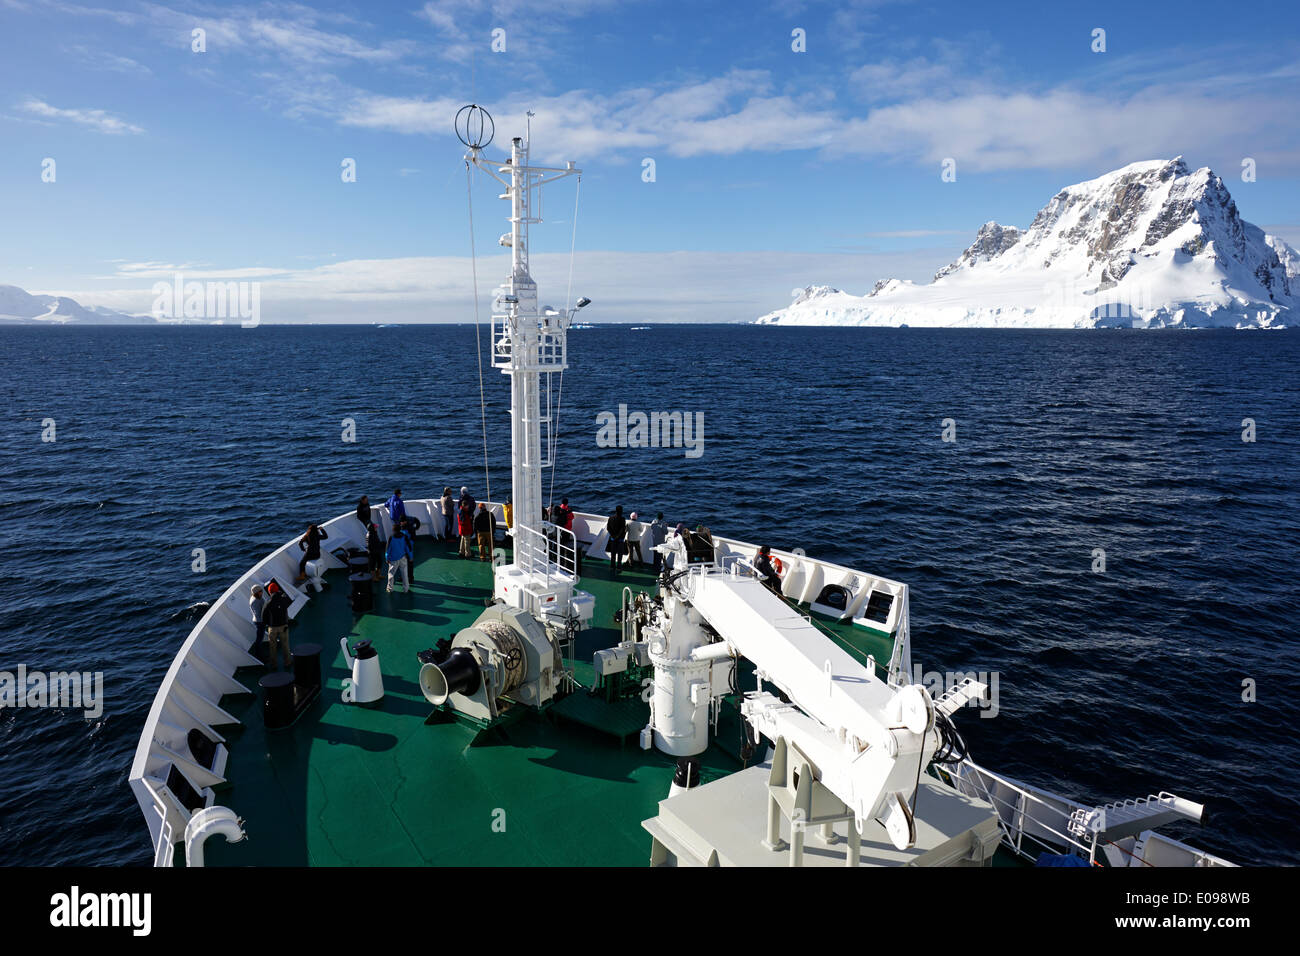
774,167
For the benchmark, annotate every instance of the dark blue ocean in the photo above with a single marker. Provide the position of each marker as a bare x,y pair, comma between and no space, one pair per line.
1111,685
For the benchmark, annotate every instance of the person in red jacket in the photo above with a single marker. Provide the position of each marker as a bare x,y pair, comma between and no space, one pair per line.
466,519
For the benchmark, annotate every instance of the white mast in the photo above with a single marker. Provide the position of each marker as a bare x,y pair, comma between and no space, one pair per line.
527,343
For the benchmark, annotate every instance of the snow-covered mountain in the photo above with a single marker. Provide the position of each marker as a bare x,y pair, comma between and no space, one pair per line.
19,307
1151,245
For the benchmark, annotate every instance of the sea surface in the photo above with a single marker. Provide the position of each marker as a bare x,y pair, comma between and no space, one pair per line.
1111,684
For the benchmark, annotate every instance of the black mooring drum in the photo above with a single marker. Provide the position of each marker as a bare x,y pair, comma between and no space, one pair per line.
362,597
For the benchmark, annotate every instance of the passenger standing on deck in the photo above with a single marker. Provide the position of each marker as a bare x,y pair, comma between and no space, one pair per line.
616,526
409,527
276,616
310,546
466,521
658,534
396,506
679,536
467,499
375,549
363,513
448,530
562,515
256,607
509,510
766,572
634,539
483,530
396,554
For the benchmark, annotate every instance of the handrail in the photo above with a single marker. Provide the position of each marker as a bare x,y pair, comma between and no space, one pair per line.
533,553
1013,834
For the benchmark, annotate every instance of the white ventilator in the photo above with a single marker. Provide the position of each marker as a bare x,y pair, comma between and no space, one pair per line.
367,678
207,823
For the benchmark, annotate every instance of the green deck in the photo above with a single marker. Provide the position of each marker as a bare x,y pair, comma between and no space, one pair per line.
356,786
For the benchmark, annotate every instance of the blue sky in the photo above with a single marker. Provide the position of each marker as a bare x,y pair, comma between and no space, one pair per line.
774,168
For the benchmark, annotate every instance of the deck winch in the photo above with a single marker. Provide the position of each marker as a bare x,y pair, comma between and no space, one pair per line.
505,657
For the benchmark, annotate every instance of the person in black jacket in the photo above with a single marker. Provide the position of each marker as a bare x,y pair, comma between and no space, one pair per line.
617,528
276,617
375,550
310,546
483,531
363,511
766,573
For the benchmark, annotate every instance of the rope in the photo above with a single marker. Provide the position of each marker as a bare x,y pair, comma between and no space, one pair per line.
478,343
568,295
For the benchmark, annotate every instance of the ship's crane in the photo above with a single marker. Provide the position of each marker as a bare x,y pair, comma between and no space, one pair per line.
866,742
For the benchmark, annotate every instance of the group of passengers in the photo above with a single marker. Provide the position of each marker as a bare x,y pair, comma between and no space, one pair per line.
472,524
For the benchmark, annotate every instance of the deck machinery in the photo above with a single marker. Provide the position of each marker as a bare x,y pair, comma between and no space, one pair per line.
845,745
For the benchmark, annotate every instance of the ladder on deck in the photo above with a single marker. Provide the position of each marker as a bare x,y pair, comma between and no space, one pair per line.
1115,821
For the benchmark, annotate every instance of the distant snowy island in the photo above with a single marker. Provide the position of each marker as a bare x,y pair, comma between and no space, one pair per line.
23,308
1152,245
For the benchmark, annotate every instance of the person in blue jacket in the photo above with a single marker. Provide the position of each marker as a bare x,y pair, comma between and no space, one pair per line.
397,554
408,529
396,507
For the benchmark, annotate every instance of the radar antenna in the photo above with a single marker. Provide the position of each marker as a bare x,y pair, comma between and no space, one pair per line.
475,126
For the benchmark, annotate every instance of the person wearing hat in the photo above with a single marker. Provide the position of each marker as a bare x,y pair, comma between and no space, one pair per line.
276,617
766,573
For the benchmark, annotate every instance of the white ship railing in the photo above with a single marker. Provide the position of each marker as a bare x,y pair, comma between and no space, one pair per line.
1033,821
552,559
202,673
552,355
802,580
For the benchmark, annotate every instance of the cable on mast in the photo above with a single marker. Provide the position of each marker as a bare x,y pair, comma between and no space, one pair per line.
478,342
568,295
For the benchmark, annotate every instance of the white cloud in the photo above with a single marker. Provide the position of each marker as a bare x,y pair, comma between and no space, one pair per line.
100,59
1060,129
167,270
729,114
98,120
624,286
